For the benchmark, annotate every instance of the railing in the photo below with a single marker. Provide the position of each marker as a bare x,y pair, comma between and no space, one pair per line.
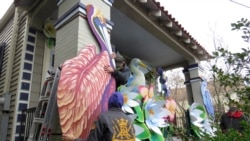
26,123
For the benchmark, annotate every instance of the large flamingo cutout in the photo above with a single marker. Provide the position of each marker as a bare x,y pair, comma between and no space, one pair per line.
84,86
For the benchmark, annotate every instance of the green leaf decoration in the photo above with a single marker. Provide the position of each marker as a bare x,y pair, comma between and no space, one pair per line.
143,129
203,115
50,42
168,131
156,137
139,112
196,130
139,98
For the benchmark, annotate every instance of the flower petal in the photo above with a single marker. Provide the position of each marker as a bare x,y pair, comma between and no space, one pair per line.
126,108
132,95
157,130
132,103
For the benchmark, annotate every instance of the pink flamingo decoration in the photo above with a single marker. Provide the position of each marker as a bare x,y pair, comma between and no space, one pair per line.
84,86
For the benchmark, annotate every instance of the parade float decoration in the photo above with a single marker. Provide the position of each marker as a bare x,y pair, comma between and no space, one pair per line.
200,123
50,33
84,87
171,105
140,103
207,99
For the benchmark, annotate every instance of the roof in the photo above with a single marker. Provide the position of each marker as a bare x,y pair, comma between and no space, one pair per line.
143,29
185,34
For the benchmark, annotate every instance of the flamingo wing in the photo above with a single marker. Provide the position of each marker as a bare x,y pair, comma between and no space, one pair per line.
79,94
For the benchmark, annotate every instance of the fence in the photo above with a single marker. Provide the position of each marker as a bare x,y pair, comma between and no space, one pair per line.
181,122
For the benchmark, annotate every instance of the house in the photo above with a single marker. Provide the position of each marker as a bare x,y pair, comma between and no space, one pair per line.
138,28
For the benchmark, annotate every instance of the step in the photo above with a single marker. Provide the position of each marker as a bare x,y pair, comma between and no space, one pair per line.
44,98
38,120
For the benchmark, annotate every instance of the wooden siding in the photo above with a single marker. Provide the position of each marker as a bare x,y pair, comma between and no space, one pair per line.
6,35
85,35
65,6
14,81
67,39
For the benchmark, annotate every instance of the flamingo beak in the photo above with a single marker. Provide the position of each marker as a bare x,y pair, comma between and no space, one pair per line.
143,65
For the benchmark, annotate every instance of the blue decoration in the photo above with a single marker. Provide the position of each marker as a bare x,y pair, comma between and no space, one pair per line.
207,99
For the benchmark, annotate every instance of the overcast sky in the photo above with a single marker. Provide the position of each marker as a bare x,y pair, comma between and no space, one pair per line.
4,5
200,18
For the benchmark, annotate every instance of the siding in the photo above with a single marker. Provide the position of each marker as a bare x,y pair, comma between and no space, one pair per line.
66,43
85,35
15,76
6,35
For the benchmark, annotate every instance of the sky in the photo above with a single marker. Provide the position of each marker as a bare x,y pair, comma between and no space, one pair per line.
202,19
205,18
4,5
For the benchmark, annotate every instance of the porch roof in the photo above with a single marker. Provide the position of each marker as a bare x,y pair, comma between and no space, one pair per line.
143,29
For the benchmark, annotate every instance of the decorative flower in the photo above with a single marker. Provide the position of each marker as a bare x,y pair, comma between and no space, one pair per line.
155,115
198,117
171,106
129,99
146,92
49,30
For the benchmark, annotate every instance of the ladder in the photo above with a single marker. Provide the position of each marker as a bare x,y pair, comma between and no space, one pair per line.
46,112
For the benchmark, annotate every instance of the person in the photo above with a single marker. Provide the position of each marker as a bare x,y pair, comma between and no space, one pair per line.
122,71
232,120
113,125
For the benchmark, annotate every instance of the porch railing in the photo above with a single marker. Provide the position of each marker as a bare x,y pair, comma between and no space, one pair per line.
26,123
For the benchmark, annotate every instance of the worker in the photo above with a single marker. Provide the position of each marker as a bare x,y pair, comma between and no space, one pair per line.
113,125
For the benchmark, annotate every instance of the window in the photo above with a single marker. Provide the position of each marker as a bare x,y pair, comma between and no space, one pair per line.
31,39
28,57
27,66
18,138
32,30
22,106
24,96
19,117
30,48
26,76
25,86
18,127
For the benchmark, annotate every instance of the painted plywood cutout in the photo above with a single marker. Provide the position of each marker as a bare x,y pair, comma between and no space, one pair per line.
143,106
84,86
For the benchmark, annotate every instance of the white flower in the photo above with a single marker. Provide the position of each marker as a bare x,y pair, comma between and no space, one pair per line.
155,115
129,101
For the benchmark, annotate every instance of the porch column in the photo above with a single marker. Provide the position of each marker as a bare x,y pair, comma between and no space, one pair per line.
73,32
193,81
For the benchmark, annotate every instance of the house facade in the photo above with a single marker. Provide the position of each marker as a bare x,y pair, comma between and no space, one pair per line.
37,36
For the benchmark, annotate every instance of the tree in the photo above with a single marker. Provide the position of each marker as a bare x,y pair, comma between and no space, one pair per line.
235,79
